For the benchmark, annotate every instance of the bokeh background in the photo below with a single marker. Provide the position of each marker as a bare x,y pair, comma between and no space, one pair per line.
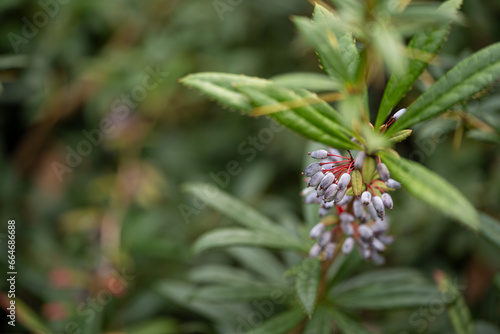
98,135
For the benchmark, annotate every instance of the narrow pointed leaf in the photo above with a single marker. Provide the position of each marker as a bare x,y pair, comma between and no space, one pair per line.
320,323
241,237
490,229
232,207
431,189
400,136
225,294
315,82
422,47
457,308
307,284
213,273
467,78
347,325
281,323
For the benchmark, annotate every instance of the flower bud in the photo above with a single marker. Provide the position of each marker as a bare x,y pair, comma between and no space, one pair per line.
377,258
360,159
358,209
387,200
347,228
344,181
320,192
386,239
315,250
311,198
365,252
346,217
371,210
316,230
393,184
378,245
312,169
366,197
319,154
345,200
383,172
365,232
339,195
315,179
328,205
323,212
329,251
348,245
380,226
379,206
325,238
327,181
330,193
399,113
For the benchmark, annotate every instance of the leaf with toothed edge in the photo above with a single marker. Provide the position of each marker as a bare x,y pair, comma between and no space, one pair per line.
307,284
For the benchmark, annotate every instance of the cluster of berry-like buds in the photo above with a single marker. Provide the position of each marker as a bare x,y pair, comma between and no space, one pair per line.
353,193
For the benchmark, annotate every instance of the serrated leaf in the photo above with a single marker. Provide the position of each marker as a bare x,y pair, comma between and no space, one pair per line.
306,120
281,323
368,169
220,87
467,78
400,136
431,189
307,284
422,47
232,207
356,182
457,308
240,237
347,325
490,229
320,323
315,82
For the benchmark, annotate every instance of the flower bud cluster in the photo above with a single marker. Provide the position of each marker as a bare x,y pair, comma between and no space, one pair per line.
353,208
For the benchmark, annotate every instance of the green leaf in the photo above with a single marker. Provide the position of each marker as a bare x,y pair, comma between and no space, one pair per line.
307,283
467,78
368,169
28,318
220,87
281,323
337,51
346,325
422,48
356,182
213,273
232,207
400,136
315,82
457,308
225,294
260,261
316,122
320,323
490,229
240,237
431,189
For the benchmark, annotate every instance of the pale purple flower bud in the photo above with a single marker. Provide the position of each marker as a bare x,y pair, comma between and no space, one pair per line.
360,160
365,232
319,154
311,198
328,205
365,253
379,206
315,250
377,258
393,184
348,245
358,209
399,113
372,211
325,238
316,230
323,212
344,181
336,156
312,169
386,239
380,226
383,172
316,179
346,217
387,200
320,192
366,197
339,195
327,181
347,228
329,251
345,200
378,245
330,193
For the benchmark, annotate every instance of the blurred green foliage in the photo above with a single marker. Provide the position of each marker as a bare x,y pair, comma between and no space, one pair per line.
118,210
